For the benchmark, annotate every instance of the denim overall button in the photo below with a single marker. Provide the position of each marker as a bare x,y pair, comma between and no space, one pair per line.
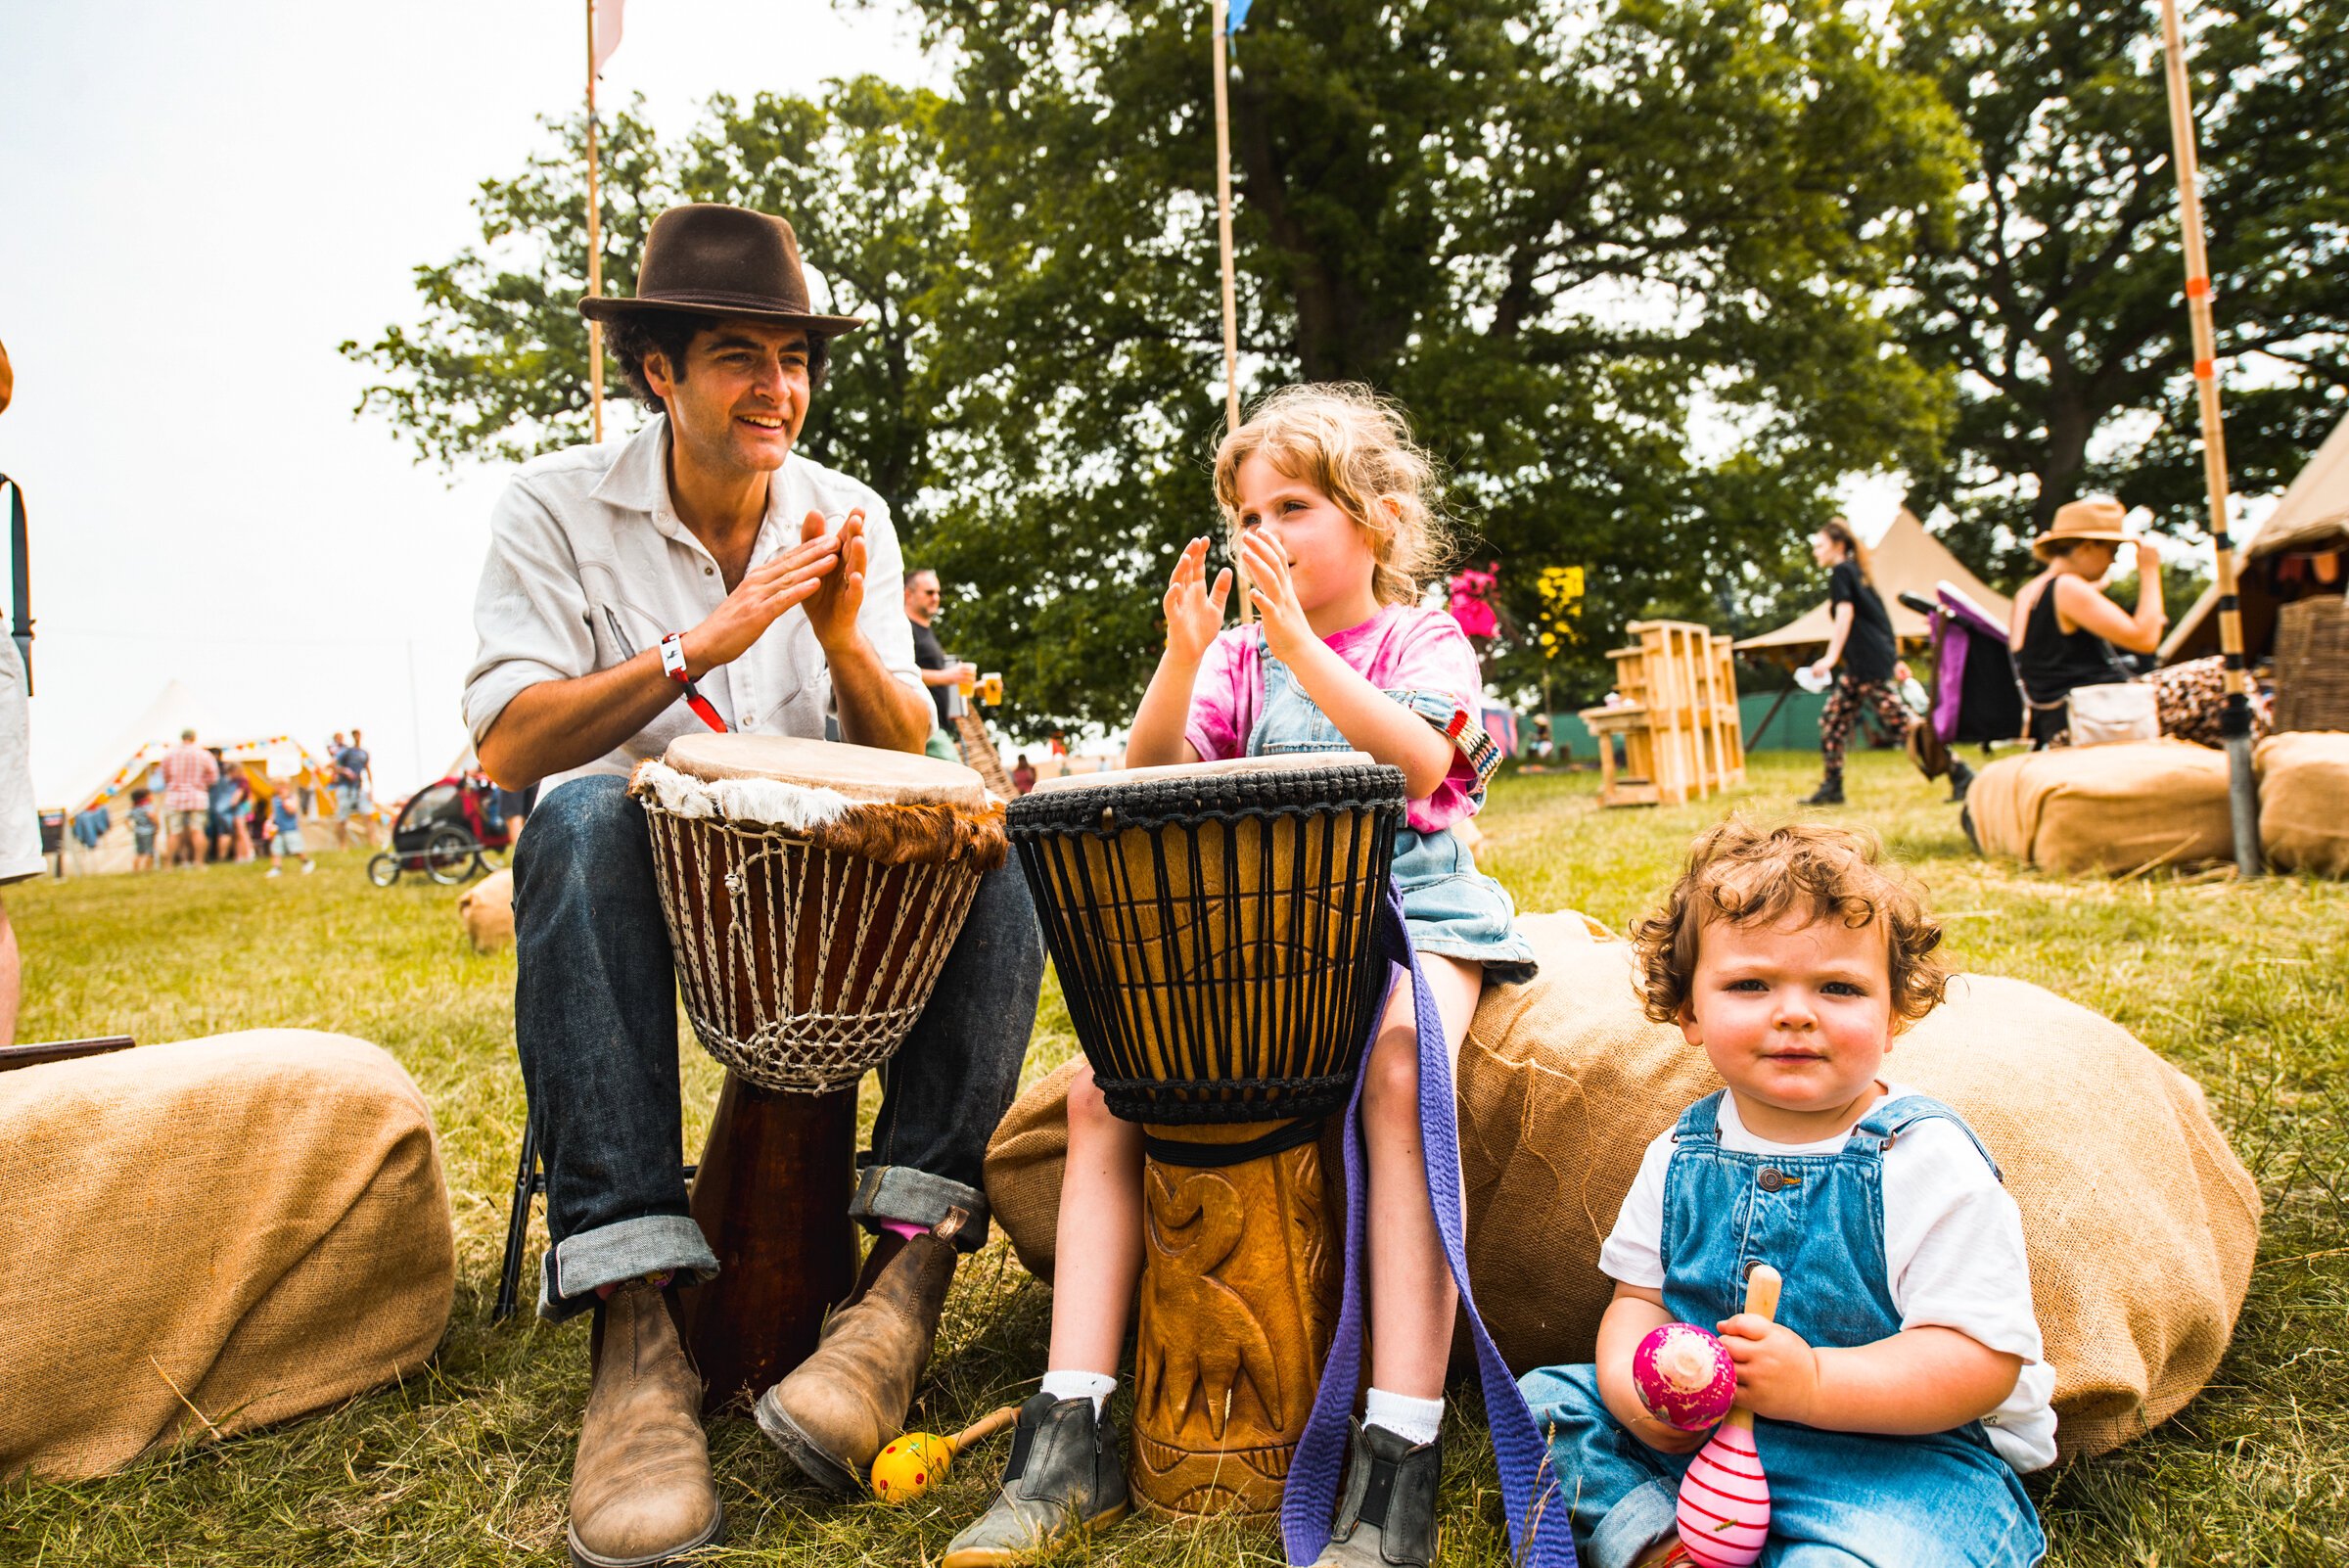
1772,1179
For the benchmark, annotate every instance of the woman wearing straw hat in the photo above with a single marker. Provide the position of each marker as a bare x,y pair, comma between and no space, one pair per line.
2066,633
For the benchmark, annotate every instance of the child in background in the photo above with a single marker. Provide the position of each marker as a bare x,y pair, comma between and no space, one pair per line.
1902,1386
141,831
286,839
1333,506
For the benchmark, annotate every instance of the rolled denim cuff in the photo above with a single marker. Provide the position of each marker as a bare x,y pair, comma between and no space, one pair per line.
910,1197
1648,1513
577,1265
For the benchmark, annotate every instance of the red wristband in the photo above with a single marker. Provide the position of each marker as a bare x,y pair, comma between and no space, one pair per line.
672,665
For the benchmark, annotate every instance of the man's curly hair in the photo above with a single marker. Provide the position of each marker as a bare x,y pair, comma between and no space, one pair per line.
1750,876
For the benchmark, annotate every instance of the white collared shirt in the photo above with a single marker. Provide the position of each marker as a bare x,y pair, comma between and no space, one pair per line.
588,567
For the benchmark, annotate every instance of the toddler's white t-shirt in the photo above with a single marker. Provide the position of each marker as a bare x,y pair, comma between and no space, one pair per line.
1952,1244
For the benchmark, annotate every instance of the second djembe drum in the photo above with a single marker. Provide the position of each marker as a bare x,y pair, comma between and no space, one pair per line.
813,890
1216,931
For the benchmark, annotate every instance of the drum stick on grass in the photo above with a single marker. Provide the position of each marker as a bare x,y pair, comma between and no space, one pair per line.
2234,723
1725,1497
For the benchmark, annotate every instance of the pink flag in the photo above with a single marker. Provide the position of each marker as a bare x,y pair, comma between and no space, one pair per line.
606,30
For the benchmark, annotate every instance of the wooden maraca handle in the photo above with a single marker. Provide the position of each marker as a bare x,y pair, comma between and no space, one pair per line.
1762,1288
985,1427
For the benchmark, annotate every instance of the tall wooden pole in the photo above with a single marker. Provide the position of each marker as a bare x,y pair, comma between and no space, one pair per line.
1231,309
2235,722
595,248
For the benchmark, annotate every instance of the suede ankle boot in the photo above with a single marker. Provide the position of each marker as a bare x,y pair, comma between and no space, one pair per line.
1387,1517
641,1492
1065,1479
833,1413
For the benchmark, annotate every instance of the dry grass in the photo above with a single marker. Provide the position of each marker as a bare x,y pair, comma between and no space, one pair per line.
2241,985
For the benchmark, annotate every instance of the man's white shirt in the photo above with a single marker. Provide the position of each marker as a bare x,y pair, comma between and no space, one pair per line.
590,566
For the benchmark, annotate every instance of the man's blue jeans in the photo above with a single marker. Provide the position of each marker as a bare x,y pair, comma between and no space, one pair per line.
595,1020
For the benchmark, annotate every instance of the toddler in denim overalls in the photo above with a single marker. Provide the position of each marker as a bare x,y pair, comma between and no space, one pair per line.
1902,1385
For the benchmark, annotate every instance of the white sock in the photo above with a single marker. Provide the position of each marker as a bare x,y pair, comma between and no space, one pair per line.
1094,1386
1416,1421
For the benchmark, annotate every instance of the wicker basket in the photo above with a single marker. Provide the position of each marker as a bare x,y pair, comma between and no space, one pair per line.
2311,665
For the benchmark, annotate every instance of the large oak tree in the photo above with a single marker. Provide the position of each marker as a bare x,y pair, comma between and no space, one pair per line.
2060,297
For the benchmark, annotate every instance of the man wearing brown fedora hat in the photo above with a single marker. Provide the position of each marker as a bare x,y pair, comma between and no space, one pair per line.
705,559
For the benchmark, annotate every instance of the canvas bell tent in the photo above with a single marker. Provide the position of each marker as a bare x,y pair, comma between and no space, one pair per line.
1905,560
134,758
2279,559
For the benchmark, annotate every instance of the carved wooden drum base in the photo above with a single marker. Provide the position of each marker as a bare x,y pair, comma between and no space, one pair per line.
1241,1273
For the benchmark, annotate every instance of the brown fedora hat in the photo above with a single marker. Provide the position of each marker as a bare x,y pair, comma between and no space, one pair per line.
2091,517
722,262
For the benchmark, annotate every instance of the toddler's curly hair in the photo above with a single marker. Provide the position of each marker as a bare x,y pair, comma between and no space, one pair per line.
1748,875
1355,447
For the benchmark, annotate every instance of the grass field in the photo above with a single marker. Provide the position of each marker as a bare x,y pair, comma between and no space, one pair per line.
2243,987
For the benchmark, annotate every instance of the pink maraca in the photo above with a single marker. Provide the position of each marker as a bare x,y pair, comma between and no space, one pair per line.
1725,1497
1685,1378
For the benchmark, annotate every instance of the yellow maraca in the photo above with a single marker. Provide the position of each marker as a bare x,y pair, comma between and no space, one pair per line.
913,1463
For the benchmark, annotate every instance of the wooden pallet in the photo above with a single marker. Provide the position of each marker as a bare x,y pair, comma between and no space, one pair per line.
1677,713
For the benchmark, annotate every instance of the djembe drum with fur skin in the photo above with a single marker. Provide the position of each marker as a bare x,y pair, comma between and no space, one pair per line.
1215,928
812,890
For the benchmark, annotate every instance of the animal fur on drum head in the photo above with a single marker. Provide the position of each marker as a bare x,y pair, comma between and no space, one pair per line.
813,890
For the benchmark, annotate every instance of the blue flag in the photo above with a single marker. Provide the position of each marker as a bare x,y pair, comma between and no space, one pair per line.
1235,16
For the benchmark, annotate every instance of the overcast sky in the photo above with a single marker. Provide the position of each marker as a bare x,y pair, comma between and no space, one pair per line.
204,200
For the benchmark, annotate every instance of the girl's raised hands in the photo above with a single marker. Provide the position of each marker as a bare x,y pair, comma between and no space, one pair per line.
1273,592
1194,611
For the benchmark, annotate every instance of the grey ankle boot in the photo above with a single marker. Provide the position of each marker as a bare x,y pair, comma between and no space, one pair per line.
1388,1516
1065,1479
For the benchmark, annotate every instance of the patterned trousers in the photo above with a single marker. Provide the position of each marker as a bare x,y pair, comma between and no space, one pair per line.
1844,703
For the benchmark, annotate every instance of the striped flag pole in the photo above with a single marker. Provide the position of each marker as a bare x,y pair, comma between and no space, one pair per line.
1221,20
2235,722
595,245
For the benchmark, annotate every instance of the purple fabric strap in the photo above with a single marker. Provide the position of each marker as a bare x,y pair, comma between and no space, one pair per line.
1538,1529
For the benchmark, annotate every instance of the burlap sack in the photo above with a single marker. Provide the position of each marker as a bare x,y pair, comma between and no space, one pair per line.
2304,802
486,911
2105,808
2140,1223
251,1226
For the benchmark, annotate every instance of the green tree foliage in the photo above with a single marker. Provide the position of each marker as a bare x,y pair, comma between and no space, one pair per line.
1622,267
1564,238
497,367
2060,299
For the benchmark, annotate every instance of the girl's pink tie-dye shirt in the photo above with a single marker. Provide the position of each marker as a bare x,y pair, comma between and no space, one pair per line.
1401,649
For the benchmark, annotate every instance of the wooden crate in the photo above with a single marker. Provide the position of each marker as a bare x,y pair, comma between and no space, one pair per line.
1677,717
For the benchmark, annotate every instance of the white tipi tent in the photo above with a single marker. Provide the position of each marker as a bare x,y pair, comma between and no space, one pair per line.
1906,560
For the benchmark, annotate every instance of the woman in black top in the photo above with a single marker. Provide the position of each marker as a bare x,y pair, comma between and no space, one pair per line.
2065,631
1861,642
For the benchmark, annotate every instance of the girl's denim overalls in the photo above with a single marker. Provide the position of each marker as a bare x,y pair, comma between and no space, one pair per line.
1451,908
